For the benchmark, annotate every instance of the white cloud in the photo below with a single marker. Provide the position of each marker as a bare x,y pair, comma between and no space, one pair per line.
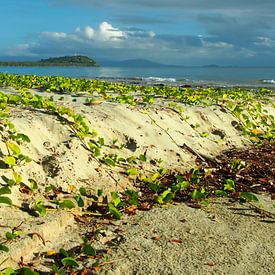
108,33
89,32
108,42
54,35
105,32
216,44
22,50
265,42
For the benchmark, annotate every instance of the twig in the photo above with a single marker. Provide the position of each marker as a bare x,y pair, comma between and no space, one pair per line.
262,211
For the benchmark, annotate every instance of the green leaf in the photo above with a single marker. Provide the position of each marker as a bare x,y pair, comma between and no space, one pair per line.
9,236
109,161
69,261
89,250
142,157
11,182
204,203
165,197
79,200
196,195
26,271
66,204
230,185
116,199
162,171
4,248
49,188
83,191
55,269
5,200
248,196
5,190
131,171
98,192
23,137
154,187
40,208
181,185
14,148
33,184
133,200
17,177
13,235
24,158
220,193
114,211
63,252
8,271
10,160
101,141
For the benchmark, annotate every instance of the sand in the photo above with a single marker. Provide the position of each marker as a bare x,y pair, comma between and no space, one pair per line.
222,238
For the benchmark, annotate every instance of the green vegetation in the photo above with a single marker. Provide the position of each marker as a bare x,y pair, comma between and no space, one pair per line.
65,61
153,187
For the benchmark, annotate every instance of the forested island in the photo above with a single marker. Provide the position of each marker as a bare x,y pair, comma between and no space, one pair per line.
66,61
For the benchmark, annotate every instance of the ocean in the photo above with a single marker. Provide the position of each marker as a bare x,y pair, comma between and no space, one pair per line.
175,76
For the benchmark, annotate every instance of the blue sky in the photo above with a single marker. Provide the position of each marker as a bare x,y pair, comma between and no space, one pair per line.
185,32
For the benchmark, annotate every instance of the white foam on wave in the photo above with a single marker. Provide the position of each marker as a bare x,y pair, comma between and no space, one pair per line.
269,81
160,79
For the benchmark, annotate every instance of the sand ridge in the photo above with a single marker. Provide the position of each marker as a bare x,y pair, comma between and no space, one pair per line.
214,240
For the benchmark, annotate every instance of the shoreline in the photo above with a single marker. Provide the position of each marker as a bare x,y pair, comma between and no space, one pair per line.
157,76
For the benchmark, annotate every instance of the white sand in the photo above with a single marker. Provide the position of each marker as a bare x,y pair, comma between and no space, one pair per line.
235,244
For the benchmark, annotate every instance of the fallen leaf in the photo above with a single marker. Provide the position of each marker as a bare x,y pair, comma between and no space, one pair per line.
72,187
25,189
175,241
131,210
81,219
96,268
157,238
145,206
51,252
86,271
256,131
210,263
194,205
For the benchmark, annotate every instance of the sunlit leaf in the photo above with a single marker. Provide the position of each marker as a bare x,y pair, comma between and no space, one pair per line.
5,200
248,196
14,148
114,211
109,161
5,190
66,204
4,248
89,250
69,261
131,171
10,160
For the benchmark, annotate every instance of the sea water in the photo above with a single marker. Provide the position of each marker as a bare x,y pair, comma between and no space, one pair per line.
176,76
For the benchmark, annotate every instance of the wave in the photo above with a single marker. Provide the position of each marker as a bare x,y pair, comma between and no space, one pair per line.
160,79
268,81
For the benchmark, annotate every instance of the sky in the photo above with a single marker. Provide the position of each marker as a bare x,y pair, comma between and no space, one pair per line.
181,32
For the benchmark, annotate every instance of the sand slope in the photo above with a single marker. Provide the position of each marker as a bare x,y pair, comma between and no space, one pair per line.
214,240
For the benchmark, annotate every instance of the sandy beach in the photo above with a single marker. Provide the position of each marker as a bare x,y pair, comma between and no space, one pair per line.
222,237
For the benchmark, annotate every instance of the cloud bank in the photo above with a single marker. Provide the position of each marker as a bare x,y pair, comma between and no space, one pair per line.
226,32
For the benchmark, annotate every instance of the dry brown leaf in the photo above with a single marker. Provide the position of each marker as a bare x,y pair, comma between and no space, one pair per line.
175,241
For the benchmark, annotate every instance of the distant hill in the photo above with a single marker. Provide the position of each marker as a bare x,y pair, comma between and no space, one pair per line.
66,61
